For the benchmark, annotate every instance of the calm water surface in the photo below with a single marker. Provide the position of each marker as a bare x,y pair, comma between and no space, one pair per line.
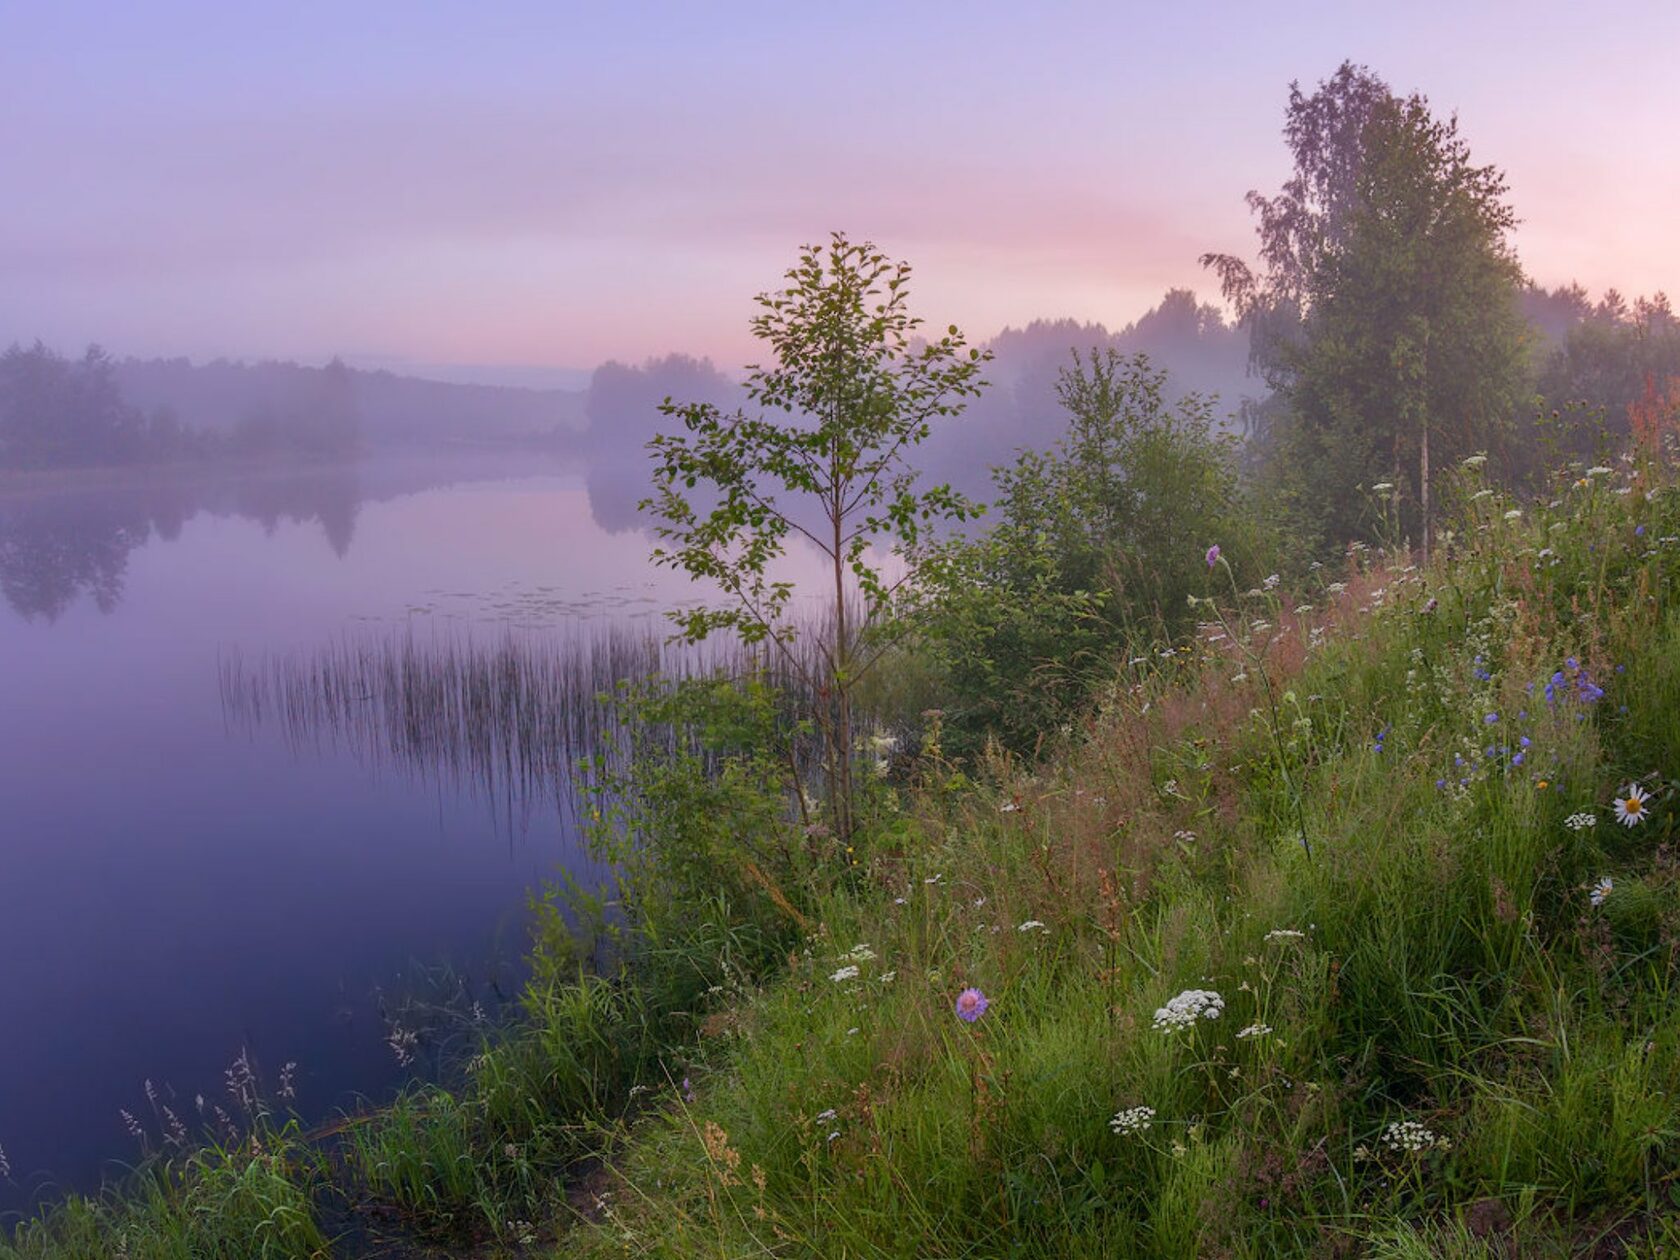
176,887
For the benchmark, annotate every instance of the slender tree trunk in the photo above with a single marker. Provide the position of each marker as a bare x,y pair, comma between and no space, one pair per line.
1423,444
842,803
1423,483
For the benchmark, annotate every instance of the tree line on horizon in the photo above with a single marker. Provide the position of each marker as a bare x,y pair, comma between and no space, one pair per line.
57,412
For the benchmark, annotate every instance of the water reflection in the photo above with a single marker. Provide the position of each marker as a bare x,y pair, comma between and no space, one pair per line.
57,546
64,540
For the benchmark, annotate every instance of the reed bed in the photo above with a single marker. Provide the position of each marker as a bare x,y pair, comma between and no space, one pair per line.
524,720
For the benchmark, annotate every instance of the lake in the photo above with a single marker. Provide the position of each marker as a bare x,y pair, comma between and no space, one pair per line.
180,886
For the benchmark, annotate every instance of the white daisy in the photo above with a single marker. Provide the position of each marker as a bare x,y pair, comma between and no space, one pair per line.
1630,806
1602,890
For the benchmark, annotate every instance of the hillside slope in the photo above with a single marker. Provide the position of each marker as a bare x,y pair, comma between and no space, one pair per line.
1331,935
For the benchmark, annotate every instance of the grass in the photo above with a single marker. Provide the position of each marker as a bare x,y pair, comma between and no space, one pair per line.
1432,1040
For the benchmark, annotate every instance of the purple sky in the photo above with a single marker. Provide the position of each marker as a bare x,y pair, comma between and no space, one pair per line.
549,185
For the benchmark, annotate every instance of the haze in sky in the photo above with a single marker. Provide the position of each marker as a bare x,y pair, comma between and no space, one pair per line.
530,186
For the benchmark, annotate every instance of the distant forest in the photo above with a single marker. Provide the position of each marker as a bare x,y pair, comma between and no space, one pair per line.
1592,366
98,411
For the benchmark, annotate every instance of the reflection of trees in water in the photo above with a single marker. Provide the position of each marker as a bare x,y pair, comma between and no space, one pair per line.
49,558
57,547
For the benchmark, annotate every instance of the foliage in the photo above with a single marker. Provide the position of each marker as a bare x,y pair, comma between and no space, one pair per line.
1613,364
1387,314
696,822
850,392
1096,548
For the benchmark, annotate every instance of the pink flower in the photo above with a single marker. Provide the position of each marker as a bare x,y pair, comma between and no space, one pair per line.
1213,555
971,1005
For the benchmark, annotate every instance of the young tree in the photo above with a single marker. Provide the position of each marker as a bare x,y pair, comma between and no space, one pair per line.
851,388
1387,315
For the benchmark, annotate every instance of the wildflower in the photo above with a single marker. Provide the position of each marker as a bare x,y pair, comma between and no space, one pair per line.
1630,805
834,1136
1184,1010
1132,1120
823,1117
1601,891
1213,555
1271,583
1581,821
1031,925
403,1042
687,1090
971,1005
1515,514
131,1124
1254,1030
844,974
1409,1136
1382,487
1490,718
1474,461
1598,470
5,1167
1008,807
1285,934
860,953
887,977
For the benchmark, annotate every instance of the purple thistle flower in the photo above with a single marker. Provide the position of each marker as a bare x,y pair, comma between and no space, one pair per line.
971,1005
1213,555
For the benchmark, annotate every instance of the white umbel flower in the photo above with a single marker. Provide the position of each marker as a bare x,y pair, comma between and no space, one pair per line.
1184,1010
1132,1120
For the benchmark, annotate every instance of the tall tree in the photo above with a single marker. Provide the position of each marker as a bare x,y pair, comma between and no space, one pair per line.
1386,313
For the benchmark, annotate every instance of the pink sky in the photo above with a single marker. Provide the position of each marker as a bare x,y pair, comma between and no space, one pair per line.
554,185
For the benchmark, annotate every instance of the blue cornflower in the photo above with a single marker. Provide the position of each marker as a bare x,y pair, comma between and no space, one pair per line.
1491,718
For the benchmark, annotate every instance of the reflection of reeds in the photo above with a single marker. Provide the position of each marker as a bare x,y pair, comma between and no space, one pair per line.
514,720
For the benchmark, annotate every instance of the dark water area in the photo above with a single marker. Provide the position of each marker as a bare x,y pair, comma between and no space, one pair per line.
177,886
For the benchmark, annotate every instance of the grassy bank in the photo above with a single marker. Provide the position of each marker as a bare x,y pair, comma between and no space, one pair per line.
1321,936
